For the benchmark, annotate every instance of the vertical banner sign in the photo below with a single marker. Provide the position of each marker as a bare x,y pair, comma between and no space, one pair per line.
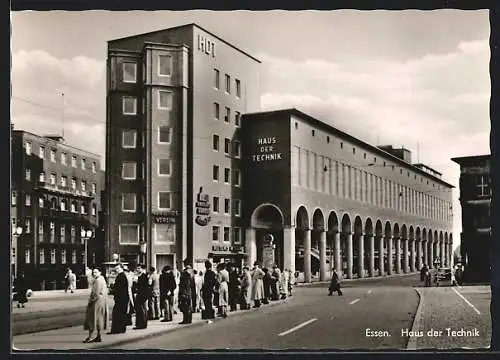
202,208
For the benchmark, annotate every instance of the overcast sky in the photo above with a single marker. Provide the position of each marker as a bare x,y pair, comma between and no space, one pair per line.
387,77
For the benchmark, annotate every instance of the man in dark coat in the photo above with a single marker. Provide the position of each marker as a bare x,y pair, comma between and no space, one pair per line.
234,288
334,284
121,297
267,281
207,291
21,288
141,298
167,287
186,285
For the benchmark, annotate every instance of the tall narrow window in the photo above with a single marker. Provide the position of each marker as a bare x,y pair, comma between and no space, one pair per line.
129,139
164,65
216,204
227,117
215,173
128,202
215,142
129,170
129,105
164,100
129,72
228,83
164,134
227,234
237,118
216,111
238,88
216,79
28,148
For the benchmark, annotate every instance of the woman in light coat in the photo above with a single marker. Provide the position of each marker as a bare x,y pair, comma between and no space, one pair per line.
246,289
284,284
223,278
257,285
97,315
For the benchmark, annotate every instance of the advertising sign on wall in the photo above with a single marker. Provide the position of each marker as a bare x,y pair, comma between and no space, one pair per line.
202,206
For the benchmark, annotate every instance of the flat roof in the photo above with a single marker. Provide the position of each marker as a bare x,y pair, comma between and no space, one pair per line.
188,25
354,140
469,159
59,143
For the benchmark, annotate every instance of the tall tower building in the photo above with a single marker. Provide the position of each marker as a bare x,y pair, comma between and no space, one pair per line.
174,100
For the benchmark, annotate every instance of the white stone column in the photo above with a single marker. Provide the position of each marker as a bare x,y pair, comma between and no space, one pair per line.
405,255
349,255
338,259
322,255
389,254
443,253
371,268
381,256
431,254
307,256
412,256
251,246
289,248
361,256
398,255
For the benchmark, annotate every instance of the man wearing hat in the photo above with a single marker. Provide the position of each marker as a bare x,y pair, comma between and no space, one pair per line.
207,291
186,286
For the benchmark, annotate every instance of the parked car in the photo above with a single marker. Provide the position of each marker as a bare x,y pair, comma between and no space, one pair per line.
444,277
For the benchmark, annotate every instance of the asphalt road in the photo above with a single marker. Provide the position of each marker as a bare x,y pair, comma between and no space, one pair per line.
310,320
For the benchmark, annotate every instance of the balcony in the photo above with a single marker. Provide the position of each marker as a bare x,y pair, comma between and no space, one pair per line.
59,190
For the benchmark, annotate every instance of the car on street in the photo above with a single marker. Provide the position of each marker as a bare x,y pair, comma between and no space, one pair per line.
444,277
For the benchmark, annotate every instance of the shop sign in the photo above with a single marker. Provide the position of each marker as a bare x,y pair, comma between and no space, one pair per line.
266,150
226,248
165,217
202,206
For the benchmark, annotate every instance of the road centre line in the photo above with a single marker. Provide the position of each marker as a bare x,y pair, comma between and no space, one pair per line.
298,327
354,302
467,301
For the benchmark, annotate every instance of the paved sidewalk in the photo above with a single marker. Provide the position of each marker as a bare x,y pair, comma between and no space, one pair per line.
71,338
345,280
448,309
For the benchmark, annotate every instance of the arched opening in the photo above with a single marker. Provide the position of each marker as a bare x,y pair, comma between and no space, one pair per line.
396,255
267,219
379,248
412,249
369,252
318,227
346,245
358,251
388,258
301,226
404,248
333,231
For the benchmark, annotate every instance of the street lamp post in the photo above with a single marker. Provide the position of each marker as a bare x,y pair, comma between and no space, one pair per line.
86,235
16,233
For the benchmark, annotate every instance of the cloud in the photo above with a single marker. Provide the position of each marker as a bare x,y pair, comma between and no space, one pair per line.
38,81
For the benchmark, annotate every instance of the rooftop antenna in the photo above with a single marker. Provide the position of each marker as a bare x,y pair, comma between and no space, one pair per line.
418,152
62,95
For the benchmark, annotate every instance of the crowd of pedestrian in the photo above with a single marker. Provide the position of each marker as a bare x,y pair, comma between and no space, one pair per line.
151,296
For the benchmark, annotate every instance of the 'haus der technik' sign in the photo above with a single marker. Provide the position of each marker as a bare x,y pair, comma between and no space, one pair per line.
266,150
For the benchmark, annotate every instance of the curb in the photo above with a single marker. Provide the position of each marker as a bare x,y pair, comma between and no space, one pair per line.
412,340
192,325
357,279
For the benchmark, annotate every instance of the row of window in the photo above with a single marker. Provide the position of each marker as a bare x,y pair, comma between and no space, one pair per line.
74,233
236,146
129,103
129,169
227,175
50,229
164,68
320,173
42,203
227,83
129,203
53,157
129,137
341,143
63,181
227,115
226,234
129,234
63,256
